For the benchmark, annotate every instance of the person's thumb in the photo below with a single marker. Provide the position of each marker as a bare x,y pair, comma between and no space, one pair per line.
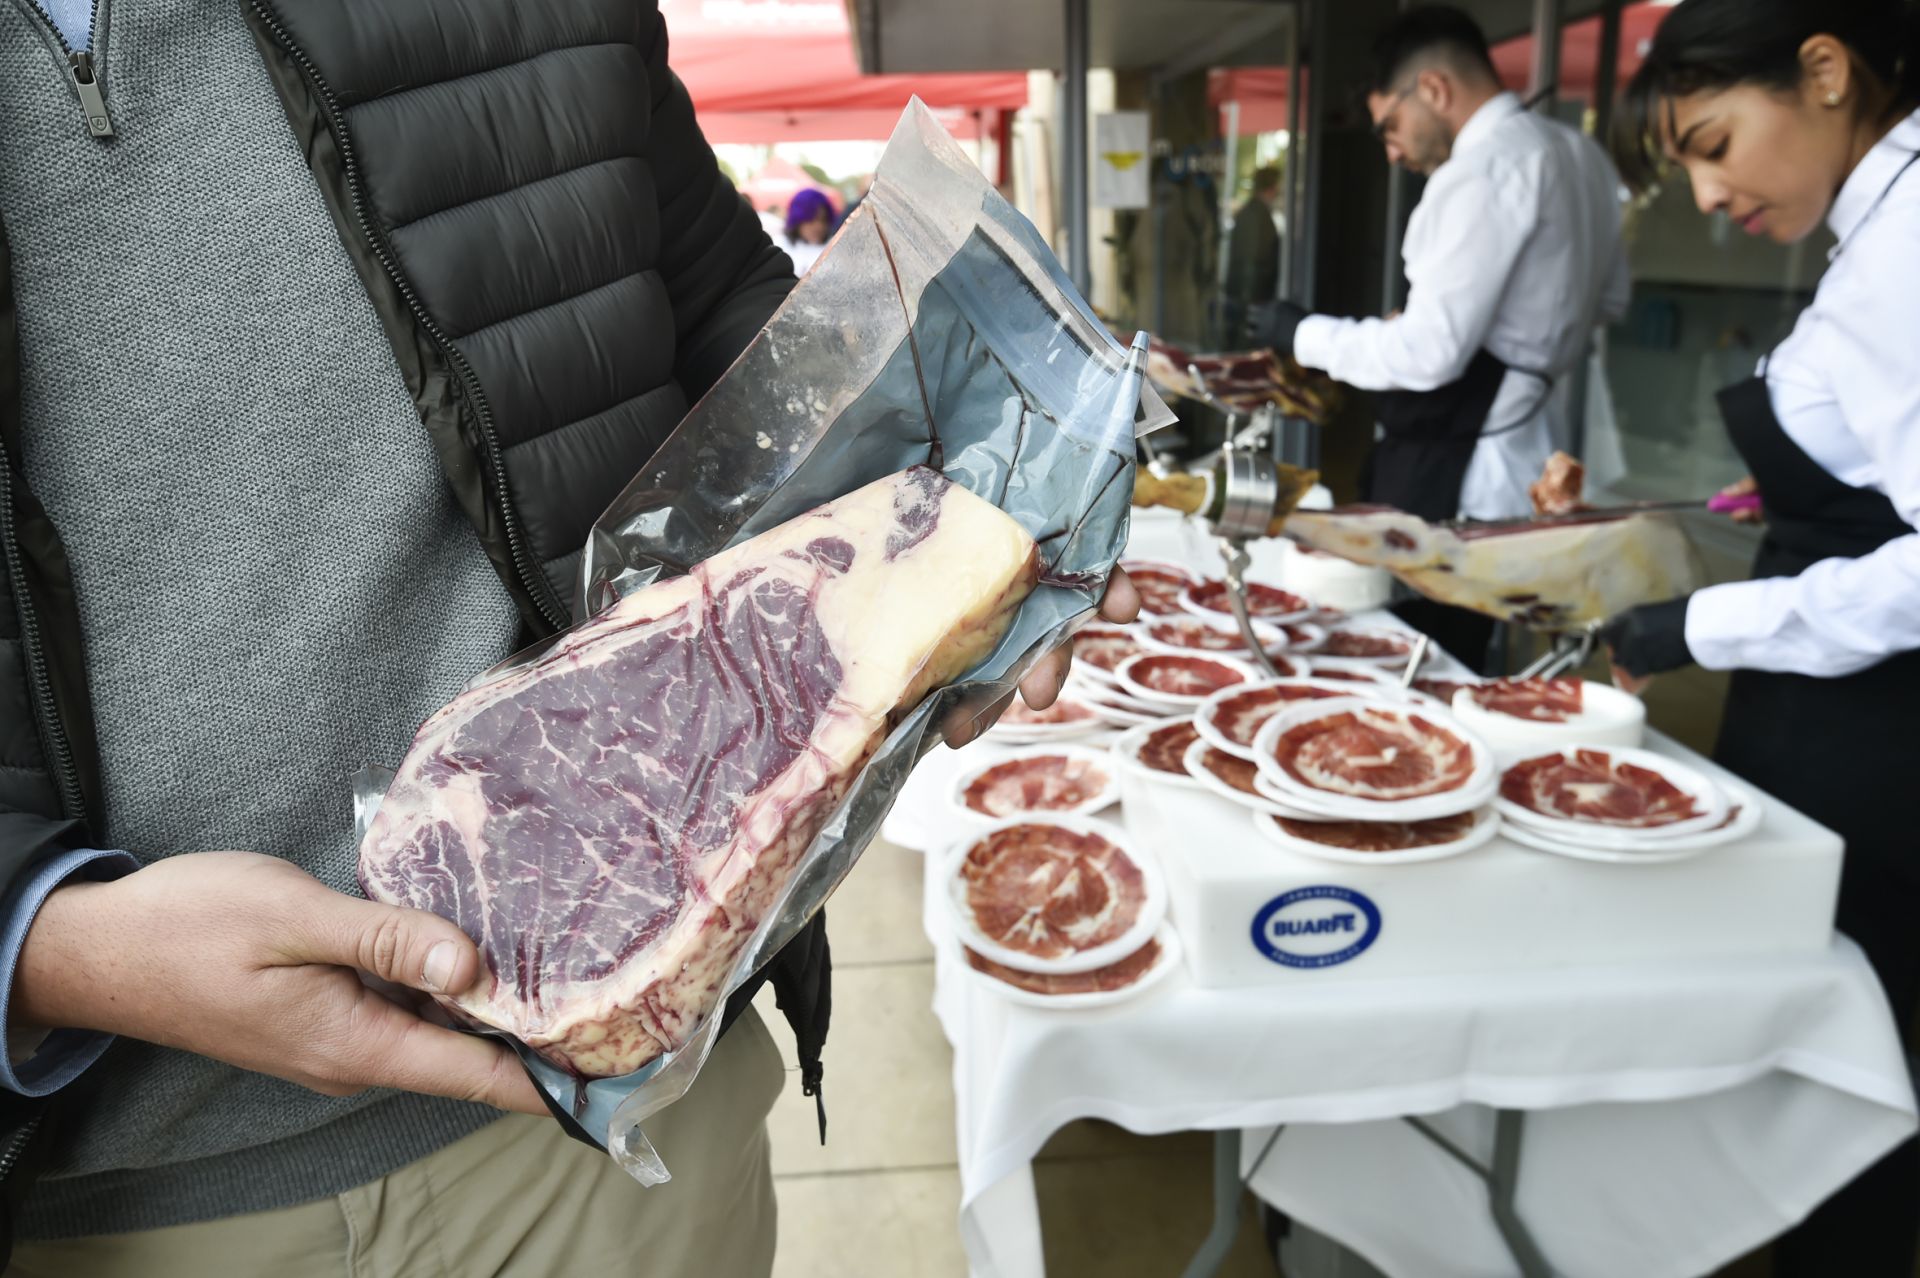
406,947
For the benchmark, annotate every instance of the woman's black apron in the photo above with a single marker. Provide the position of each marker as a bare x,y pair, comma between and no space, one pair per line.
1841,750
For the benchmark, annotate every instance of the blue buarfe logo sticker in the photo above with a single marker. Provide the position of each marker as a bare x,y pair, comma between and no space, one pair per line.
1316,926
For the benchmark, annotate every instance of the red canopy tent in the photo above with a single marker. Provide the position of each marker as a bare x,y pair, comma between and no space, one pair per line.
783,71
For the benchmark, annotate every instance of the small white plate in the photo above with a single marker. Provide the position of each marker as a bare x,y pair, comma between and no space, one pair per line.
1198,599
1154,568
1126,750
1100,761
1706,795
1480,786
1164,966
1187,635
1153,905
1206,720
1363,673
1133,684
1100,631
1303,636
1395,660
1486,824
1650,853
1206,780
1040,733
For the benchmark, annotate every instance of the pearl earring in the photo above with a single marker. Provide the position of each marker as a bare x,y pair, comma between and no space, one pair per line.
1833,98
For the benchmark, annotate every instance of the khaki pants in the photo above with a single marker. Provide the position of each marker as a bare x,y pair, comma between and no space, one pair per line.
516,1198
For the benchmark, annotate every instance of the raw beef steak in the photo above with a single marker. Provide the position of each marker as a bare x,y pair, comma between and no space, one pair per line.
611,821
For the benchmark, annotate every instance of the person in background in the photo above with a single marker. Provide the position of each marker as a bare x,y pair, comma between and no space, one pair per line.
809,225
1788,116
1253,258
1513,256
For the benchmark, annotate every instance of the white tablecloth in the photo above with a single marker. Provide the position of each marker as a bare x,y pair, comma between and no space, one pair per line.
1679,1114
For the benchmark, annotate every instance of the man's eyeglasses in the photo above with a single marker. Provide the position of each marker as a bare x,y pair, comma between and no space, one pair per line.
1385,122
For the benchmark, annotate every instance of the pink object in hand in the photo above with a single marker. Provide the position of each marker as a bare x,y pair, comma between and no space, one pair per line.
1725,505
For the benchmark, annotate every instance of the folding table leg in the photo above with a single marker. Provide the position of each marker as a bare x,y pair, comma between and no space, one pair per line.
1503,1183
1229,1198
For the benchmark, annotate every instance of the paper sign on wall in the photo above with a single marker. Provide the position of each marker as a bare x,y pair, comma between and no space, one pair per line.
1121,163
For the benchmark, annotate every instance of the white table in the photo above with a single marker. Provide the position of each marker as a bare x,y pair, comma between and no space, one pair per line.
1678,1114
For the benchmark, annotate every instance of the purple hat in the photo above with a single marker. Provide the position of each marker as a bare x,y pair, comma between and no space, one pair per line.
803,208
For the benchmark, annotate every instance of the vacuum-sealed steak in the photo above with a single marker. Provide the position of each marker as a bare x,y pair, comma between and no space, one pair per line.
611,820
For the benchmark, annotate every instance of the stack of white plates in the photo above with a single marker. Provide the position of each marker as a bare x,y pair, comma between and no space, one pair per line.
1021,873
1608,803
1180,681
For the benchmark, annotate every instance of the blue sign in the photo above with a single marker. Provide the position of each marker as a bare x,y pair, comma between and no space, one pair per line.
1316,927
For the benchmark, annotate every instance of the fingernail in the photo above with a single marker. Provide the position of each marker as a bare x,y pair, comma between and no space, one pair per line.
438,972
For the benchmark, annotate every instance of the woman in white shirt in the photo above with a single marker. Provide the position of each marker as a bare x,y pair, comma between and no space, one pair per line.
1787,115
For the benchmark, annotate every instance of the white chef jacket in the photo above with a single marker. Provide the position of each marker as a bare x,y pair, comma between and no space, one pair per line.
1846,388
1515,246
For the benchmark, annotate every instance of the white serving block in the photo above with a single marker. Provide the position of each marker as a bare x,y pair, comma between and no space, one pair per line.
1500,907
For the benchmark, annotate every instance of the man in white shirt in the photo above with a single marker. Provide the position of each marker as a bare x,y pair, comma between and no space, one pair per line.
1513,256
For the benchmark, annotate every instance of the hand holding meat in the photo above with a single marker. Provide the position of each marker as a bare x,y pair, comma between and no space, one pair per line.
250,960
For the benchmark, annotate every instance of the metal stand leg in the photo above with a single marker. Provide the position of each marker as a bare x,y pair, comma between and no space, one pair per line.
1229,1194
1503,1183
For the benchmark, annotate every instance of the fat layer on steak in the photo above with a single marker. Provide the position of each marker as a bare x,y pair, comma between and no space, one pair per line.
611,821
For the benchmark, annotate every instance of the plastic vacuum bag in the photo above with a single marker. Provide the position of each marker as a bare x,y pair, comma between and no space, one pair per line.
937,330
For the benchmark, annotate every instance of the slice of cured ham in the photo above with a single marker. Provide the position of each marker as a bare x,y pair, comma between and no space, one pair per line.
1381,836
1366,644
1195,635
1375,753
1538,700
1593,786
1441,689
1165,748
1115,976
1235,772
1036,783
1049,891
1239,717
1262,600
1104,648
1184,677
1159,588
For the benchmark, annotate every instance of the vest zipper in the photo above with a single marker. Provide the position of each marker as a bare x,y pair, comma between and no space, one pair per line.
66,776
80,72
532,579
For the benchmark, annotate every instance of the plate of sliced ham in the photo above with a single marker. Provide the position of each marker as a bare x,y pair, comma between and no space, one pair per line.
1264,603
1180,680
1186,634
1231,718
1374,760
1117,982
1237,780
1525,716
1160,584
1578,793
1070,716
1382,842
1158,751
1099,649
1379,645
1040,779
1744,813
1053,895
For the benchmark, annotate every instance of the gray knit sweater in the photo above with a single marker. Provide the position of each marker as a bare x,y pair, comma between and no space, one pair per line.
275,585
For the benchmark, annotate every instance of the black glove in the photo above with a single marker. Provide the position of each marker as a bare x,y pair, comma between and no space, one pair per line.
1274,327
1650,639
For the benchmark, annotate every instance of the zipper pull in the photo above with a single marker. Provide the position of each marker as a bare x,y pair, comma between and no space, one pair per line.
93,105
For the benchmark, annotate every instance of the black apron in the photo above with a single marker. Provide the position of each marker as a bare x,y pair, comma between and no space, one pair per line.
1428,437
1840,750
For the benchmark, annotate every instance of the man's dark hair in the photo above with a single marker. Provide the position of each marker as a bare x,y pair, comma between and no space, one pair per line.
1266,178
1436,31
